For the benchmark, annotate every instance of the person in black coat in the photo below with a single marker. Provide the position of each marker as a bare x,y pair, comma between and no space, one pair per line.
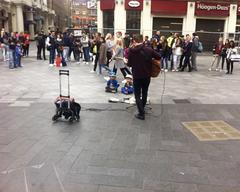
140,59
40,41
187,51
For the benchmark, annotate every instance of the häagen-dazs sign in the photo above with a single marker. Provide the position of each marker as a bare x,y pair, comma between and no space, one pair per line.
208,7
134,3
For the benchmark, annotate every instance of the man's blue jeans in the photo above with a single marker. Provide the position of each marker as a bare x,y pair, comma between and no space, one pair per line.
86,51
51,56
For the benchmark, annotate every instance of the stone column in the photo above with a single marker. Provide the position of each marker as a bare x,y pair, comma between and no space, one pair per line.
189,21
19,15
99,18
31,25
146,19
120,18
46,24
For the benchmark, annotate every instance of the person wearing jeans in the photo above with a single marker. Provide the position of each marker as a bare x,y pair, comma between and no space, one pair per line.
51,47
141,68
102,56
86,49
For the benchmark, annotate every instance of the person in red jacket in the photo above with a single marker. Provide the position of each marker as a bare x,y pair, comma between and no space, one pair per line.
217,54
140,59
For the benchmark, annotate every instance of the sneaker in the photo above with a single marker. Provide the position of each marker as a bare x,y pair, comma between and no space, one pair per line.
166,70
217,69
92,71
141,117
51,65
86,63
173,70
210,69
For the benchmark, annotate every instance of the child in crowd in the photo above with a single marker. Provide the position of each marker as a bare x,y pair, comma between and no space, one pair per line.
128,86
112,84
18,54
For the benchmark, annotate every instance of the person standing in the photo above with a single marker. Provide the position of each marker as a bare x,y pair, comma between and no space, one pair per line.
51,46
224,52
141,69
86,48
41,43
195,45
118,57
26,44
230,51
96,47
187,47
217,52
60,47
177,53
110,45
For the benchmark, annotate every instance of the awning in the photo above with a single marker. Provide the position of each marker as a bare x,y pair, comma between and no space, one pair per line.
160,7
107,4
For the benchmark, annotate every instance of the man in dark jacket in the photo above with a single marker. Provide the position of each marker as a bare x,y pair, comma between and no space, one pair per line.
139,59
40,41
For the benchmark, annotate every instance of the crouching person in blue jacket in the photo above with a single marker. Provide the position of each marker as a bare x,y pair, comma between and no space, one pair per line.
128,86
112,84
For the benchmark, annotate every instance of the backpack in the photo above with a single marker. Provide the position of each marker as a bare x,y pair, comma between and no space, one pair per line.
200,47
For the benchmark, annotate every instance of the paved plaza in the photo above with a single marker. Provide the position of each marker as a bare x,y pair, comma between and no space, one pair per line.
109,150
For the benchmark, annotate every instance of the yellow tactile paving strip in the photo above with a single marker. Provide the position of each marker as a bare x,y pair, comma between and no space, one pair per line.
212,130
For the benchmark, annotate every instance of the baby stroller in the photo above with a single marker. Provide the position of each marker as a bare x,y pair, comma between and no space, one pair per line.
65,105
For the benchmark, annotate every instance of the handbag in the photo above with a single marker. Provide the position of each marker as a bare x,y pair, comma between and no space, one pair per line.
156,67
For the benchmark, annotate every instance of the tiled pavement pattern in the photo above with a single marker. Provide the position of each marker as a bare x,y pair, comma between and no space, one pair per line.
212,130
37,82
111,151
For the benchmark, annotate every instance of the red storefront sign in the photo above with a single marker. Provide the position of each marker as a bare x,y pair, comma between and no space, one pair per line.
212,9
169,7
107,4
134,5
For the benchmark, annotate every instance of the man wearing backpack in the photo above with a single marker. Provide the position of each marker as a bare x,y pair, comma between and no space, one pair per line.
195,50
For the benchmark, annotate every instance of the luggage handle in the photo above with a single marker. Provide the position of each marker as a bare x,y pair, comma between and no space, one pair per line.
64,72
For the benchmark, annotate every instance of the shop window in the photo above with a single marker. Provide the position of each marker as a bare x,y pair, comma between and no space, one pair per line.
167,25
133,21
108,21
209,33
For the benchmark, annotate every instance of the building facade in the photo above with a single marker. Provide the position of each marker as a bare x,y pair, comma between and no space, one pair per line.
84,13
35,15
146,16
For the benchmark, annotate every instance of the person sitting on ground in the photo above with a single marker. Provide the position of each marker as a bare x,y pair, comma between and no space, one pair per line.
112,84
128,86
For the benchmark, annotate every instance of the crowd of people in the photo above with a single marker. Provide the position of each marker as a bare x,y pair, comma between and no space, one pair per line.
222,52
14,46
177,52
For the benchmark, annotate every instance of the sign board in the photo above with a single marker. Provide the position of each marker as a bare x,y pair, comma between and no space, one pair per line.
91,5
212,9
134,3
77,33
